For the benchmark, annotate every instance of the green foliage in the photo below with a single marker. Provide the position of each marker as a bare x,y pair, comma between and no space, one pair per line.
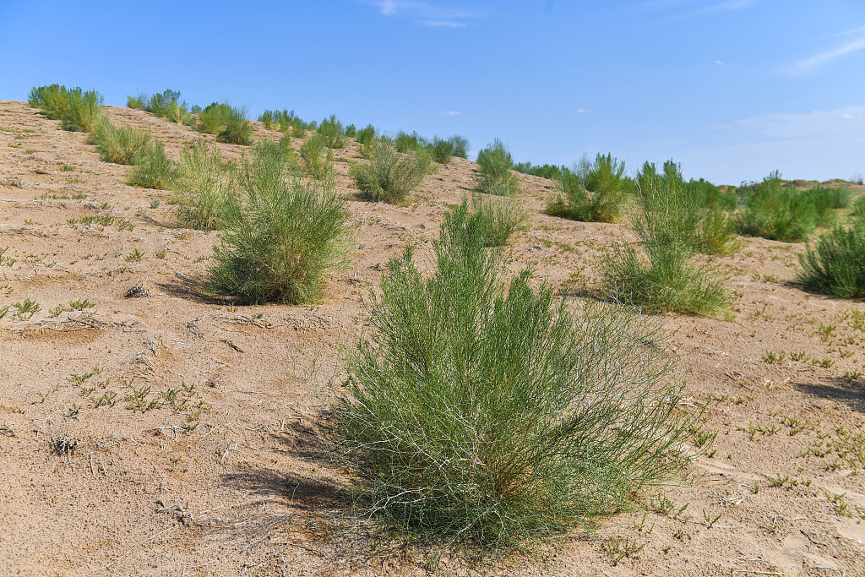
459,146
77,110
495,176
366,135
229,123
388,177
166,105
496,414
548,171
153,169
835,264
442,150
286,121
783,213
499,217
351,131
281,237
591,192
119,143
405,142
331,131
203,187
668,224
316,157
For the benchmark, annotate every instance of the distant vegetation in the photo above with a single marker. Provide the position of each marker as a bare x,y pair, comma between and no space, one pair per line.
495,174
591,192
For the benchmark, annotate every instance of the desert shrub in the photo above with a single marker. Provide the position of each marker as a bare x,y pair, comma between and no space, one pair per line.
459,146
203,187
316,157
495,176
500,218
405,142
713,196
366,135
826,202
237,129
213,118
351,131
76,109
388,177
549,171
137,102
778,212
331,131
153,168
591,192
664,278
119,143
281,237
442,150
497,414
834,265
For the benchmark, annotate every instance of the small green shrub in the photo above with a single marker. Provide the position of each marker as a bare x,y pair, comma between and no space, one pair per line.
405,142
77,110
778,212
120,144
316,157
167,105
500,218
281,237
153,169
459,146
366,135
331,130
237,129
669,225
203,187
591,192
495,176
388,177
351,131
835,264
442,150
498,415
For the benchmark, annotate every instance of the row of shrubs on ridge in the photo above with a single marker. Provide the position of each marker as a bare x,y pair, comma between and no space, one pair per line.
675,219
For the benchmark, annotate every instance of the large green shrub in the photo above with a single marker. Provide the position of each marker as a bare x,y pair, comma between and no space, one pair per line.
166,105
778,212
76,109
497,414
281,237
153,168
331,130
389,176
316,157
591,192
495,176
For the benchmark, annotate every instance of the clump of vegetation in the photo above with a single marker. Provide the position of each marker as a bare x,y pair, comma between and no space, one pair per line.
779,212
118,143
834,265
280,236
496,414
591,192
331,131
167,105
500,218
405,142
76,109
389,177
495,176
203,187
669,225
153,168
316,157
229,123
287,122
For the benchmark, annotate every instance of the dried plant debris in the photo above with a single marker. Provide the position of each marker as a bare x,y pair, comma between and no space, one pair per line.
63,446
136,292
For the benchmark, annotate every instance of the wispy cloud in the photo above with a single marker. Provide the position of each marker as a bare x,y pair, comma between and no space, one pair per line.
426,13
581,111
841,123
450,113
815,62
696,7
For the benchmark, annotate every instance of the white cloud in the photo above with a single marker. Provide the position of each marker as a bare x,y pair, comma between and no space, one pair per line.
450,113
719,63
815,62
424,12
842,123
581,111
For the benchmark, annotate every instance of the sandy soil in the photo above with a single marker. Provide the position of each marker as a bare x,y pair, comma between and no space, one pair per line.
157,432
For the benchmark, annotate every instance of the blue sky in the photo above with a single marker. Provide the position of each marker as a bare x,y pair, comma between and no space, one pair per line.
732,89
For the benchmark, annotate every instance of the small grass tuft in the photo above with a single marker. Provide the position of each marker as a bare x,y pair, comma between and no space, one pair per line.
389,177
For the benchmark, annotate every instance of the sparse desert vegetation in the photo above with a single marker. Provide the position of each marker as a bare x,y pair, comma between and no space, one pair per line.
254,370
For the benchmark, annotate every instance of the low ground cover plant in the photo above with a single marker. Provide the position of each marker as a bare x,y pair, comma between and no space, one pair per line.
500,217
495,176
663,275
492,412
316,157
389,176
281,234
332,132
166,104
591,191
